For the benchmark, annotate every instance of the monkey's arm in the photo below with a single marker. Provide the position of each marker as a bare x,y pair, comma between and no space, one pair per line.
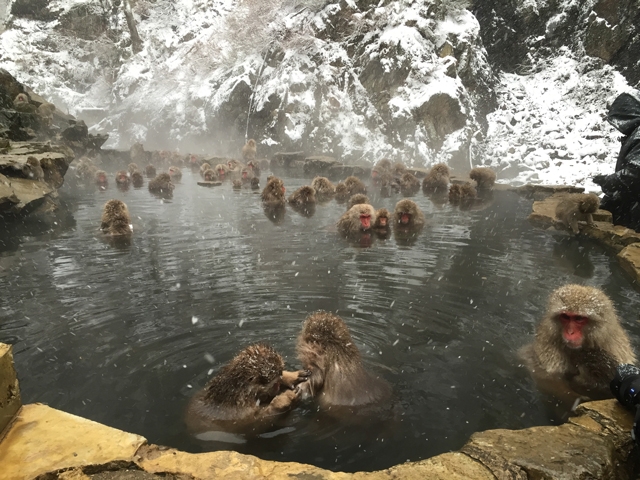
291,379
282,402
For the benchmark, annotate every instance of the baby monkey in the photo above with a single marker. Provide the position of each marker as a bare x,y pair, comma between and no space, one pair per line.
577,207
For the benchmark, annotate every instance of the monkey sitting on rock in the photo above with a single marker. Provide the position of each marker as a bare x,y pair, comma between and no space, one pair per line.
249,150
575,207
247,394
32,169
115,219
577,346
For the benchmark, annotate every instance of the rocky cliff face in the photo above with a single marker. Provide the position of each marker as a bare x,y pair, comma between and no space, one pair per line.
351,79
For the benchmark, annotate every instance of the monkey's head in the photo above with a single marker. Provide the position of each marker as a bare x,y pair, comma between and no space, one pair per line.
21,98
467,191
375,173
101,176
364,214
222,170
174,172
245,173
253,376
440,169
384,164
307,193
326,334
399,168
205,166
590,203
275,187
255,183
237,184
121,177
358,199
115,211
133,167
251,143
210,175
405,212
341,189
382,218
33,162
576,309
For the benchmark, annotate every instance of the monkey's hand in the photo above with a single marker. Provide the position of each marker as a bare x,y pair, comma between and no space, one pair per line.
282,403
291,379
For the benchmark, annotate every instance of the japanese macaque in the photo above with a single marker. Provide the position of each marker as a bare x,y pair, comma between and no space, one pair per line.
193,161
150,170
437,180
357,199
273,194
408,216
255,183
463,195
116,219
122,179
246,394
101,179
223,171
175,173
302,197
132,168
484,177
387,185
210,176
409,184
338,378
577,345
235,166
162,185
325,190
22,104
236,184
45,112
137,179
342,192
32,169
398,169
359,218
383,164
575,207
382,222
249,150
203,168
86,170
246,175
354,185
253,166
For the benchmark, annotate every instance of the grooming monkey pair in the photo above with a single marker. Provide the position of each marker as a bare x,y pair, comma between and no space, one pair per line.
577,346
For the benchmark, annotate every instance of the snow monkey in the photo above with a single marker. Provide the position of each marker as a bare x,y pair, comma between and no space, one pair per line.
409,184
137,179
342,192
175,173
338,378
354,185
408,216
273,193
578,344
255,183
115,218
484,177
357,199
203,168
101,178
382,220
210,175
575,207
302,197
249,150
223,171
236,184
246,393
132,168
359,218
45,112
463,195
22,104
437,180
122,179
150,170
32,169
162,185
324,188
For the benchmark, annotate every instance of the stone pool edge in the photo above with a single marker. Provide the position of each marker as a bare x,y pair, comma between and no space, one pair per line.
41,442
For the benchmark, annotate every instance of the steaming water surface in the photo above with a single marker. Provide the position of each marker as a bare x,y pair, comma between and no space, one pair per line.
125,334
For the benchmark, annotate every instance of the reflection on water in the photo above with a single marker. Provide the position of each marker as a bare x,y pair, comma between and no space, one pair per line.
125,334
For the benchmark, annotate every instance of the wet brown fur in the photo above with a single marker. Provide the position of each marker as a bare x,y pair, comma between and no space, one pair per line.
354,185
304,196
577,207
132,168
323,187
115,218
236,184
273,193
137,179
464,194
409,207
122,178
357,199
222,170
589,369
350,224
437,180
175,173
383,164
338,378
255,183
101,178
249,150
253,166
203,168
381,214
32,169
409,184
161,184
484,177
210,175
342,192
150,170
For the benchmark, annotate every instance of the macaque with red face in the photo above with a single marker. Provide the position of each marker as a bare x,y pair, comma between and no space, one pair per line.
578,344
150,170
175,173
22,104
437,180
338,378
101,179
254,168
358,219
210,176
408,216
383,222
122,179
161,185
484,177
246,395
223,171
246,175
115,219
273,194
32,169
